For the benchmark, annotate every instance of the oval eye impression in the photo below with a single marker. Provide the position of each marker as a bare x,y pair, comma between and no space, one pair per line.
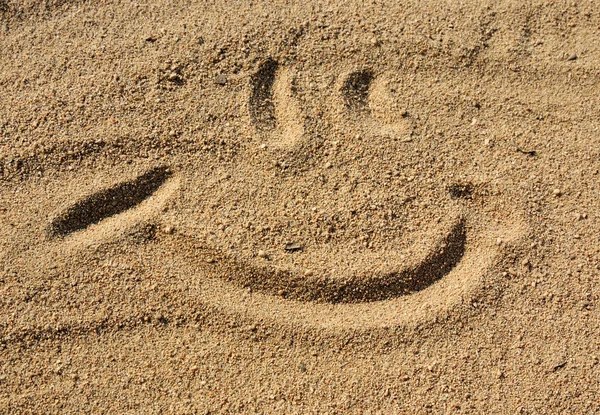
274,110
108,202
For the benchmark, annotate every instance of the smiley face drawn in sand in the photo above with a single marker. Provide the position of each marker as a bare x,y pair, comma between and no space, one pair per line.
338,242
340,215
407,243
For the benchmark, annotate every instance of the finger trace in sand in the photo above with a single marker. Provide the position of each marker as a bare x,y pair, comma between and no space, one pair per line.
262,109
355,89
458,270
273,107
436,259
108,202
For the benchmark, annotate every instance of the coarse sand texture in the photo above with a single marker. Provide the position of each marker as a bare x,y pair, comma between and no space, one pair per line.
299,207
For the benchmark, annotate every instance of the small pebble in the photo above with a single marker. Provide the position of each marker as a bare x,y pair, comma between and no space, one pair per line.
557,192
262,254
292,247
572,57
221,79
174,77
169,229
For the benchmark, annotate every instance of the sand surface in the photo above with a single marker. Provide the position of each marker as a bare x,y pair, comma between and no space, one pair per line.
299,207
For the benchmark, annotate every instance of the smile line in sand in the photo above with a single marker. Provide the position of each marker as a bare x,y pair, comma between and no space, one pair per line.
451,286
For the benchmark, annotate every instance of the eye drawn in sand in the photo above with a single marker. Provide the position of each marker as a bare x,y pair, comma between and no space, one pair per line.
368,102
99,214
108,202
274,110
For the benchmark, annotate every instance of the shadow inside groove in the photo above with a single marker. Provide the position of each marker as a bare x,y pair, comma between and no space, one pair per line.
262,108
109,202
355,89
361,288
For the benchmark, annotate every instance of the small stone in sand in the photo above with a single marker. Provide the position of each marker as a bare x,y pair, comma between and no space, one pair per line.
175,77
262,254
221,79
293,247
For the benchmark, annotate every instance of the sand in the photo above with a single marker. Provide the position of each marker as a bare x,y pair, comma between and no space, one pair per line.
299,207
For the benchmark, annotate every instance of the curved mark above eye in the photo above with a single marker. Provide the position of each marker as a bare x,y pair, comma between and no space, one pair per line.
109,202
262,108
355,89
